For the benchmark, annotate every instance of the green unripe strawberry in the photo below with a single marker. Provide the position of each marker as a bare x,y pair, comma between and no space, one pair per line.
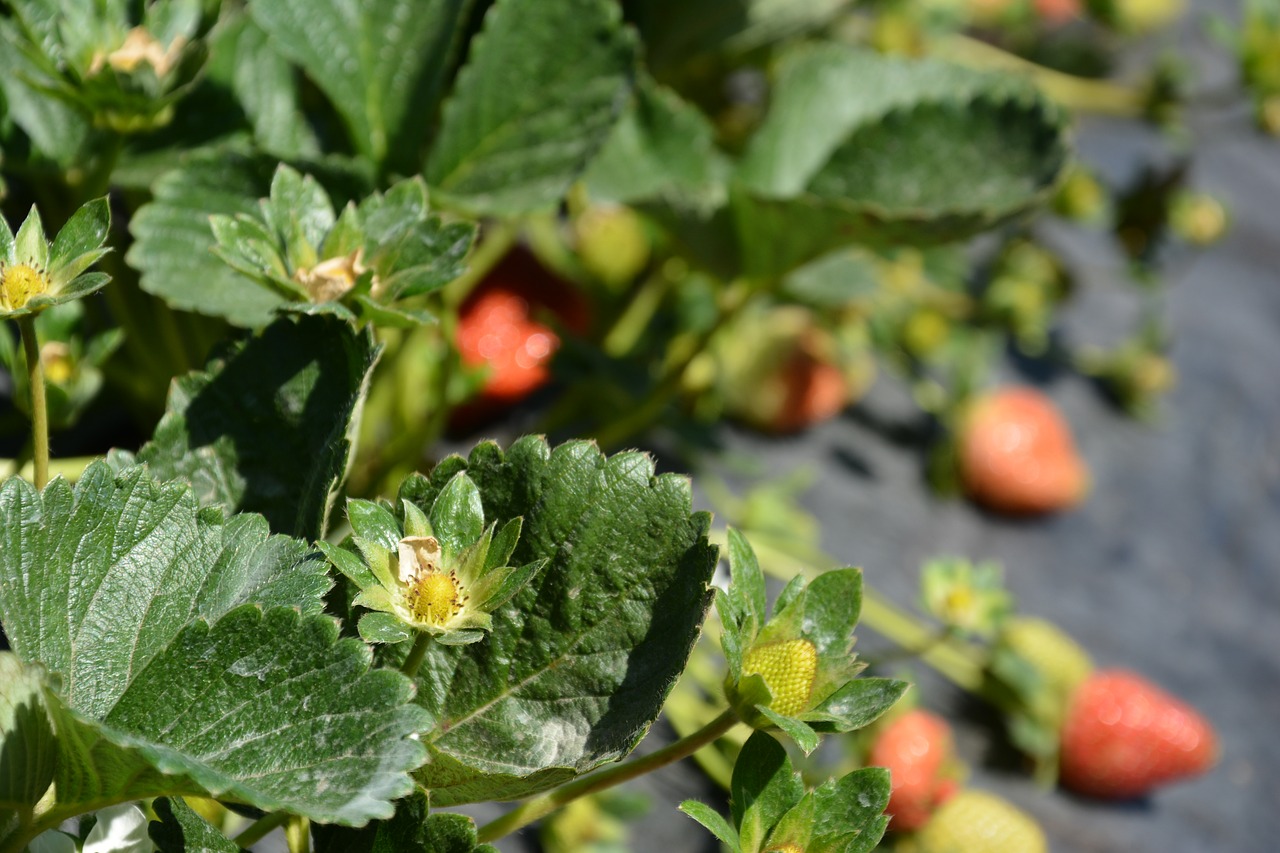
1059,659
789,668
978,822
612,243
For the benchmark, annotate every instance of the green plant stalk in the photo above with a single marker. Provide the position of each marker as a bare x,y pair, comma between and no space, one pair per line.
680,354
1075,93
419,650
626,332
297,834
543,805
71,468
260,828
39,408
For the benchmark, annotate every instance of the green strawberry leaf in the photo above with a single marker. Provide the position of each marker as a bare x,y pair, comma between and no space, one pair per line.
266,87
662,148
173,242
180,830
411,830
382,63
538,96
579,662
266,428
850,811
850,152
27,747
174,669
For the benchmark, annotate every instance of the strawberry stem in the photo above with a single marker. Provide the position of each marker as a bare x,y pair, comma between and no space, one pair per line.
39,408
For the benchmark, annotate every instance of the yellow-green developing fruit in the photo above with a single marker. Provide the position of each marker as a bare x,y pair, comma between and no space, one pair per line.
978,822
925,330
789,668
1050,650
612,244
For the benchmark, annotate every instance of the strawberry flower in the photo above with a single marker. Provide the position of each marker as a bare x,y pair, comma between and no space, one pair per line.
35,274
353,265
443,574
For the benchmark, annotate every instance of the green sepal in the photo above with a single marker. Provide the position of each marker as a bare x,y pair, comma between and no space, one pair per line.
79,243
30,246
795,827
858,703
373,523
504,544
713,822
763,789
500,584
382,627
416,522
349,564
457,516
803,735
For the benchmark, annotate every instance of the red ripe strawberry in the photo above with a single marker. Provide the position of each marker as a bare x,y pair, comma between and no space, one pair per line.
1016,454
916,748
1124,736
498,329
1058,11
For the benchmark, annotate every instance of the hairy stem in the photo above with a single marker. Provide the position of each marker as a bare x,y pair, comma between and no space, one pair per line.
39,408
545,804
419,650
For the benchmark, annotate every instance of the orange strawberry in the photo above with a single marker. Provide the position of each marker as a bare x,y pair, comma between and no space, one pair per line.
1016,454
1124,736
916,748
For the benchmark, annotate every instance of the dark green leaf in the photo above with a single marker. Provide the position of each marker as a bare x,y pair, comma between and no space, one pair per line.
381,62
180,830
265,84
266,429
173,240
858,147
111,588
539,94
662,148
27,750
579,662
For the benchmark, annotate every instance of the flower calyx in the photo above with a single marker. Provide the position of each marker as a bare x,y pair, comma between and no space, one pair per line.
442,573
796,670
355,264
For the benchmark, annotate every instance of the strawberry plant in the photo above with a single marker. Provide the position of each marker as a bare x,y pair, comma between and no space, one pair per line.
294,245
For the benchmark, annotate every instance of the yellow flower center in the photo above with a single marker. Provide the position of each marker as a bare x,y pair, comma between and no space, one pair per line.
433,594
18,284
789,847
789,668
435,597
